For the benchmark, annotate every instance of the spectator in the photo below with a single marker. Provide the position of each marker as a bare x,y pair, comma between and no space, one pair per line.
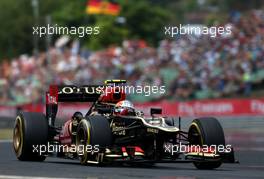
190,67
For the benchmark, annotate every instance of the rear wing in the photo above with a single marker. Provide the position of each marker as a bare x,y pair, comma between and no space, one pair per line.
58,94
85,93
73,93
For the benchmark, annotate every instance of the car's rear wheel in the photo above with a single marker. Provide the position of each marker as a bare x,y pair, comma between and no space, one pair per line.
29,134
94,132
206,131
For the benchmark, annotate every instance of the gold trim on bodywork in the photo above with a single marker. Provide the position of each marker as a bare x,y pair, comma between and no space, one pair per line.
162,127
202,154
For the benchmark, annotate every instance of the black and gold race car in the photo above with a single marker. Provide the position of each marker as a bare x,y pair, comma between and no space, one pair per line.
114,131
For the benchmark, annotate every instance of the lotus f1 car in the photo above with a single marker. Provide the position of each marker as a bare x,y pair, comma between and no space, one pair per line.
113,131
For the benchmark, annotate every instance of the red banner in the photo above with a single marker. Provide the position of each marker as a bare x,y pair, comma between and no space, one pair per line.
218,107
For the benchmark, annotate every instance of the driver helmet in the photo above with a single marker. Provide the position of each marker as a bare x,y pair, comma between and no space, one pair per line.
124,107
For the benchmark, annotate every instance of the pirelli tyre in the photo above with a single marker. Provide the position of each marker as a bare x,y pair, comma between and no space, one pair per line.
206,131
30,132
94,132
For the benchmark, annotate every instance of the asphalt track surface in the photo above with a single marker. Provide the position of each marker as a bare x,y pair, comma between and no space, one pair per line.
249,153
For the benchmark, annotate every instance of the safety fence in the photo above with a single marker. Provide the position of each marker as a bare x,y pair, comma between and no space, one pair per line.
216,107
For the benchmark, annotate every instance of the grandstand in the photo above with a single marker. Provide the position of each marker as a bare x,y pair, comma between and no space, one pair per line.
190,67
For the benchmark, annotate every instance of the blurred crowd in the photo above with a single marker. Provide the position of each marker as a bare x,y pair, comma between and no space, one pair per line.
191,67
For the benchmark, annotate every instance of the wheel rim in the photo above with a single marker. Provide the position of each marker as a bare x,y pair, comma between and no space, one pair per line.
83,138
195,136
18,136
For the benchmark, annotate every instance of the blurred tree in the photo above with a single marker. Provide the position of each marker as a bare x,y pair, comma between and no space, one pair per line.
71,13
15,28
229,5
145,20
141,19
110,33
16,18
140,22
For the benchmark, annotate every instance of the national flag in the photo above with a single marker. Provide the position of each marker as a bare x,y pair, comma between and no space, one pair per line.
102,7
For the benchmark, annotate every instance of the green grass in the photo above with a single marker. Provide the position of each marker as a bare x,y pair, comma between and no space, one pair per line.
6,134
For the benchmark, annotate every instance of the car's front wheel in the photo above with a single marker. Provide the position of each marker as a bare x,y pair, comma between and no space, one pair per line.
206,131
93,133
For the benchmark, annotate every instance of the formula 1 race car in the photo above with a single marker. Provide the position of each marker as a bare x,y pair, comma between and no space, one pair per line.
114,131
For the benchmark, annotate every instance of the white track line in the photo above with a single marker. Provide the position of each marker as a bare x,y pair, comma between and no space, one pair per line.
6,141
26,177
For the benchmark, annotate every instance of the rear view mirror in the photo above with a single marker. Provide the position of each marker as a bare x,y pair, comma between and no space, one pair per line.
155,111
